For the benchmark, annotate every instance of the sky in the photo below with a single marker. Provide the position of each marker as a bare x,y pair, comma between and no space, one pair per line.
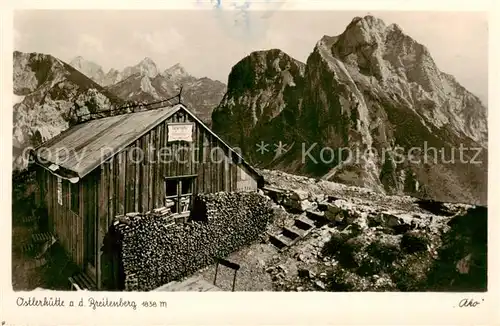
209,42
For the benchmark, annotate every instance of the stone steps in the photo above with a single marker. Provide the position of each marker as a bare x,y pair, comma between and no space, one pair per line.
304,222
291,233
318,217
303,225
280,241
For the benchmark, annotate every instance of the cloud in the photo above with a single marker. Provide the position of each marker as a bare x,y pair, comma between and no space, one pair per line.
87,44
159,42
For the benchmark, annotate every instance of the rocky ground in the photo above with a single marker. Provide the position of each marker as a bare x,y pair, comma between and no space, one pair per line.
358,241
366,242
372,242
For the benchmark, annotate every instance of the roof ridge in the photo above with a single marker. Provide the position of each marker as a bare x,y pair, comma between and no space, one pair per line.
116,140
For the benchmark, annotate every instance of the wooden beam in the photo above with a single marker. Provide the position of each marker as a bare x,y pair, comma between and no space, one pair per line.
181,176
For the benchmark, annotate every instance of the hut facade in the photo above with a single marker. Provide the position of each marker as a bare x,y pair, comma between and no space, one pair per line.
132,162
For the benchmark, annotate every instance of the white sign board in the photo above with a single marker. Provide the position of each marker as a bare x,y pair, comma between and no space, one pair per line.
180,132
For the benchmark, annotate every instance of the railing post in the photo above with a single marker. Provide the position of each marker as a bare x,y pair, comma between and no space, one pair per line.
234,279
180,94
216,269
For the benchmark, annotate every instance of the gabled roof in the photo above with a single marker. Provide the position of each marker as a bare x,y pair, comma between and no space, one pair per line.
79,150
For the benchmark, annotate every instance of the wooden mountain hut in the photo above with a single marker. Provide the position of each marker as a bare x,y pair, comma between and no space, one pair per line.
132,162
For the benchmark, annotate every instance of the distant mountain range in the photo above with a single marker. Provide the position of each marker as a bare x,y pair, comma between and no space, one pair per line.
372,88
49,94
145,82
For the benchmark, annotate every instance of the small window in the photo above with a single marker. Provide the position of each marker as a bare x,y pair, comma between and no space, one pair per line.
171,187
187,186
179,193
75,197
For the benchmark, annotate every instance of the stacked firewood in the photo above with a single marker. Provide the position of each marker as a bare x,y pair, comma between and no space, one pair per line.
155,251
222,204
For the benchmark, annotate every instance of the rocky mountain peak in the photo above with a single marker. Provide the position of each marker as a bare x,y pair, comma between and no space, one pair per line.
143,82
371,87
77,60
146,67
369,29
176,71
147,60
385,58
265,67
258,88
88,68
380,50
366,25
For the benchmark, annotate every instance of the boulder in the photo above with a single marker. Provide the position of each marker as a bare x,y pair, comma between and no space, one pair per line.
278,195
305,273
304,205
299,195
384,219
320,284
334,213
299,205
317,197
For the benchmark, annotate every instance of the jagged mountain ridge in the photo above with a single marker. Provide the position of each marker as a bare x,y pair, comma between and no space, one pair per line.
48,95
145,82
95,72
370,88
89,69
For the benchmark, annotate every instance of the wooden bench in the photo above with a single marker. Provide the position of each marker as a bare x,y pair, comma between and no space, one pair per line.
30,219
41,237
40,247
28,248
82,282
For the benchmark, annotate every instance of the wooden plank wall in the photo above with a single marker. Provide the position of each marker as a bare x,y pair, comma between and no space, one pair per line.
40,193
129,183
89,210
244,180
65,224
